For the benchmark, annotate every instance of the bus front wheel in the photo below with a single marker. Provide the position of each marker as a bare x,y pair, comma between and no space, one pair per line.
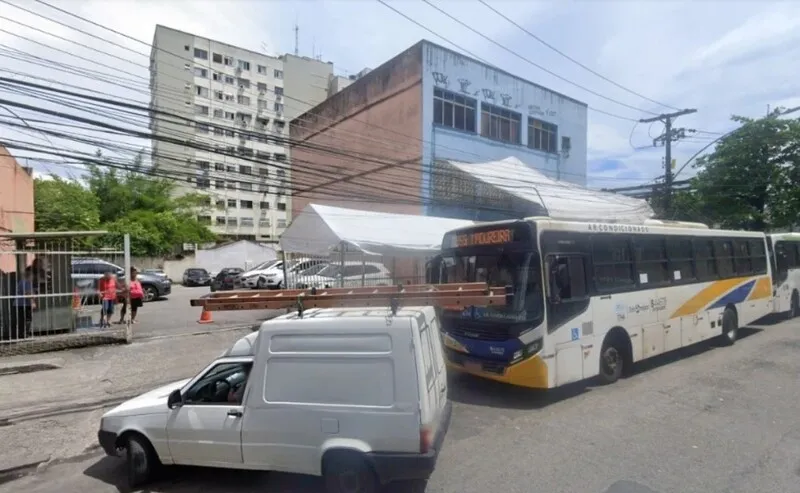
612,360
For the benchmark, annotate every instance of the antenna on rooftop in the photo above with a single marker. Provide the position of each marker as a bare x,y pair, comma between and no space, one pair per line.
296,38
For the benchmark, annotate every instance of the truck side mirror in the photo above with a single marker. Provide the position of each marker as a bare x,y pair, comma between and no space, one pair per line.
175,399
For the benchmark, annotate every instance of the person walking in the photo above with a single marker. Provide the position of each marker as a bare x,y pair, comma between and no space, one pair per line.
107,288
24,304
136,295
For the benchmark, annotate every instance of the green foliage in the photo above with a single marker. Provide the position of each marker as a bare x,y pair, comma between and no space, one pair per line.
751,180
123,201
63,205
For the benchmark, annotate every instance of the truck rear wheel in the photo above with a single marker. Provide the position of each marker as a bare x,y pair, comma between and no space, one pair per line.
349,473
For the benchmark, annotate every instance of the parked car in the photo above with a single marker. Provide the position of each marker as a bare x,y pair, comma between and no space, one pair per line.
226,279
87,271
352,274
196,277
339,393
156,272
272,276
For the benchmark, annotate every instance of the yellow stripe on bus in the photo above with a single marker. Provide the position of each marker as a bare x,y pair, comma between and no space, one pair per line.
718,289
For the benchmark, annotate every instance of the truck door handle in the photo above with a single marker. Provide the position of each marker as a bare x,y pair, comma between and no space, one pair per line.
235,413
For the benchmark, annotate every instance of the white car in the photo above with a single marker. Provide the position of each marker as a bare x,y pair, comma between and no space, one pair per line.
352,274
339,393
272,276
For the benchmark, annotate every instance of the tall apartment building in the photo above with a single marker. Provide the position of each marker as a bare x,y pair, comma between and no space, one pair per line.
229,134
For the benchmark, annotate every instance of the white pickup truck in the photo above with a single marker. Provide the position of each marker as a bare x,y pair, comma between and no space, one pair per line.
355,395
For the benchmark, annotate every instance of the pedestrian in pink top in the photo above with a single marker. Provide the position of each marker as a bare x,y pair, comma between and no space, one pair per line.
137,298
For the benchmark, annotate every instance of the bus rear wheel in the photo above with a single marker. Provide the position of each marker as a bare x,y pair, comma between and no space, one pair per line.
730,327
611,362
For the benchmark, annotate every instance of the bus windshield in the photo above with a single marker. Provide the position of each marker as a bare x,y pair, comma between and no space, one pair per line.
520,270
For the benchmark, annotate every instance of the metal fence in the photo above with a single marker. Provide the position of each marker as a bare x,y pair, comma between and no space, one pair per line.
49,298
349,269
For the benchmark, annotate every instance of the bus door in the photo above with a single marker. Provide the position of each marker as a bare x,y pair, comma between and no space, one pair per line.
784,259
569,320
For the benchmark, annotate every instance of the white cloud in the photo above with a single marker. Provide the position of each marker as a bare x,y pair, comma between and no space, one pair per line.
720,57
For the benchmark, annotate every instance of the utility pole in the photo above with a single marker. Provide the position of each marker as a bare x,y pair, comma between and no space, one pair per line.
296,39
670,135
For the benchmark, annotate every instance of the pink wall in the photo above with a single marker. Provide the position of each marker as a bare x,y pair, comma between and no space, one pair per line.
16,204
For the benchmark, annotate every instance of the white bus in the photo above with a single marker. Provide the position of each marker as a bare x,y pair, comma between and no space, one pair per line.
785,250
592,299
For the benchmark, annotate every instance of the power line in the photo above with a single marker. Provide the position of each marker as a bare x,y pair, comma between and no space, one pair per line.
548,45
531,62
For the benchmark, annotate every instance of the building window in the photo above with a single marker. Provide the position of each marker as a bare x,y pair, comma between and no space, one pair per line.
202,128
218,113
247,221
281,206
244,65
262,69
201,54
281,223
232,203
281,158
278,91
278,74
542,136
566,145
201,109
229,79
227,60
186,47
231,185
454,110
278,107
230,168
500,124
219,184
246,204
204,219
263,104
262,87
246,170
219,95
203,183
230,115
264,223
220,220
216,58
201,91
203,165
263,205
245,83
220,204
216,76
232,221
245,100
247,187
201,72
219,167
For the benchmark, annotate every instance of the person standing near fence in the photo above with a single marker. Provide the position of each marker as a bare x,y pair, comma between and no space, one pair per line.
136,295
107,287
24,304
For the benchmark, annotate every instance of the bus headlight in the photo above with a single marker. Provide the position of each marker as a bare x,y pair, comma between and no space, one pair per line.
534,347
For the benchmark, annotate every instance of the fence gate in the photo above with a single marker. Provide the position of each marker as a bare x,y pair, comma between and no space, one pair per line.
49,297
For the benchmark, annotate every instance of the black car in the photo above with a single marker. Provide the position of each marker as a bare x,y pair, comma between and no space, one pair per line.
226,279
196,277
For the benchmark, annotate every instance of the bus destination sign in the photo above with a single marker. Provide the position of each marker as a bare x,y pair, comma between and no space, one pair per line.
481,238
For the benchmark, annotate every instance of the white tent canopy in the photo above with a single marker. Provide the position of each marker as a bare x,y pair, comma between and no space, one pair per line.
561,200
319,229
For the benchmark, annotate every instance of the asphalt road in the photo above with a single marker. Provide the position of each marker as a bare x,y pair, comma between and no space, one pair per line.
705,419
173,315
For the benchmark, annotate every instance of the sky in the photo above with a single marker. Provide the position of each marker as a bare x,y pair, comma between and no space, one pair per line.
721,58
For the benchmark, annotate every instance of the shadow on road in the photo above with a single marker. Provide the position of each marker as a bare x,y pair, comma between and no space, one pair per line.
176,479
477,391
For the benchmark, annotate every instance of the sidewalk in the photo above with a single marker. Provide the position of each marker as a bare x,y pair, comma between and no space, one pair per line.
54,413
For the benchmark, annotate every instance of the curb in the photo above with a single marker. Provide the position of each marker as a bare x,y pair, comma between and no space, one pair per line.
14,471
229,328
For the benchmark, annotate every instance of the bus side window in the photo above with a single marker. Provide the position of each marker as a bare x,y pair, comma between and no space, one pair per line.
567,278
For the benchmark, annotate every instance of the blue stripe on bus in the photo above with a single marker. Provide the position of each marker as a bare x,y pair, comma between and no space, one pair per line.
737,295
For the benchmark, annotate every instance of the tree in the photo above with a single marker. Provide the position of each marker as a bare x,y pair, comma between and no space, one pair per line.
750,180
64,205
124,201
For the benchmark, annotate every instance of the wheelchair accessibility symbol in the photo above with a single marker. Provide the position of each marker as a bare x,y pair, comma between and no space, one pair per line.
576,334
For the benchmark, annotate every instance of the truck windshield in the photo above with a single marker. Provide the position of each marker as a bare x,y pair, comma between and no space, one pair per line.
520,270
